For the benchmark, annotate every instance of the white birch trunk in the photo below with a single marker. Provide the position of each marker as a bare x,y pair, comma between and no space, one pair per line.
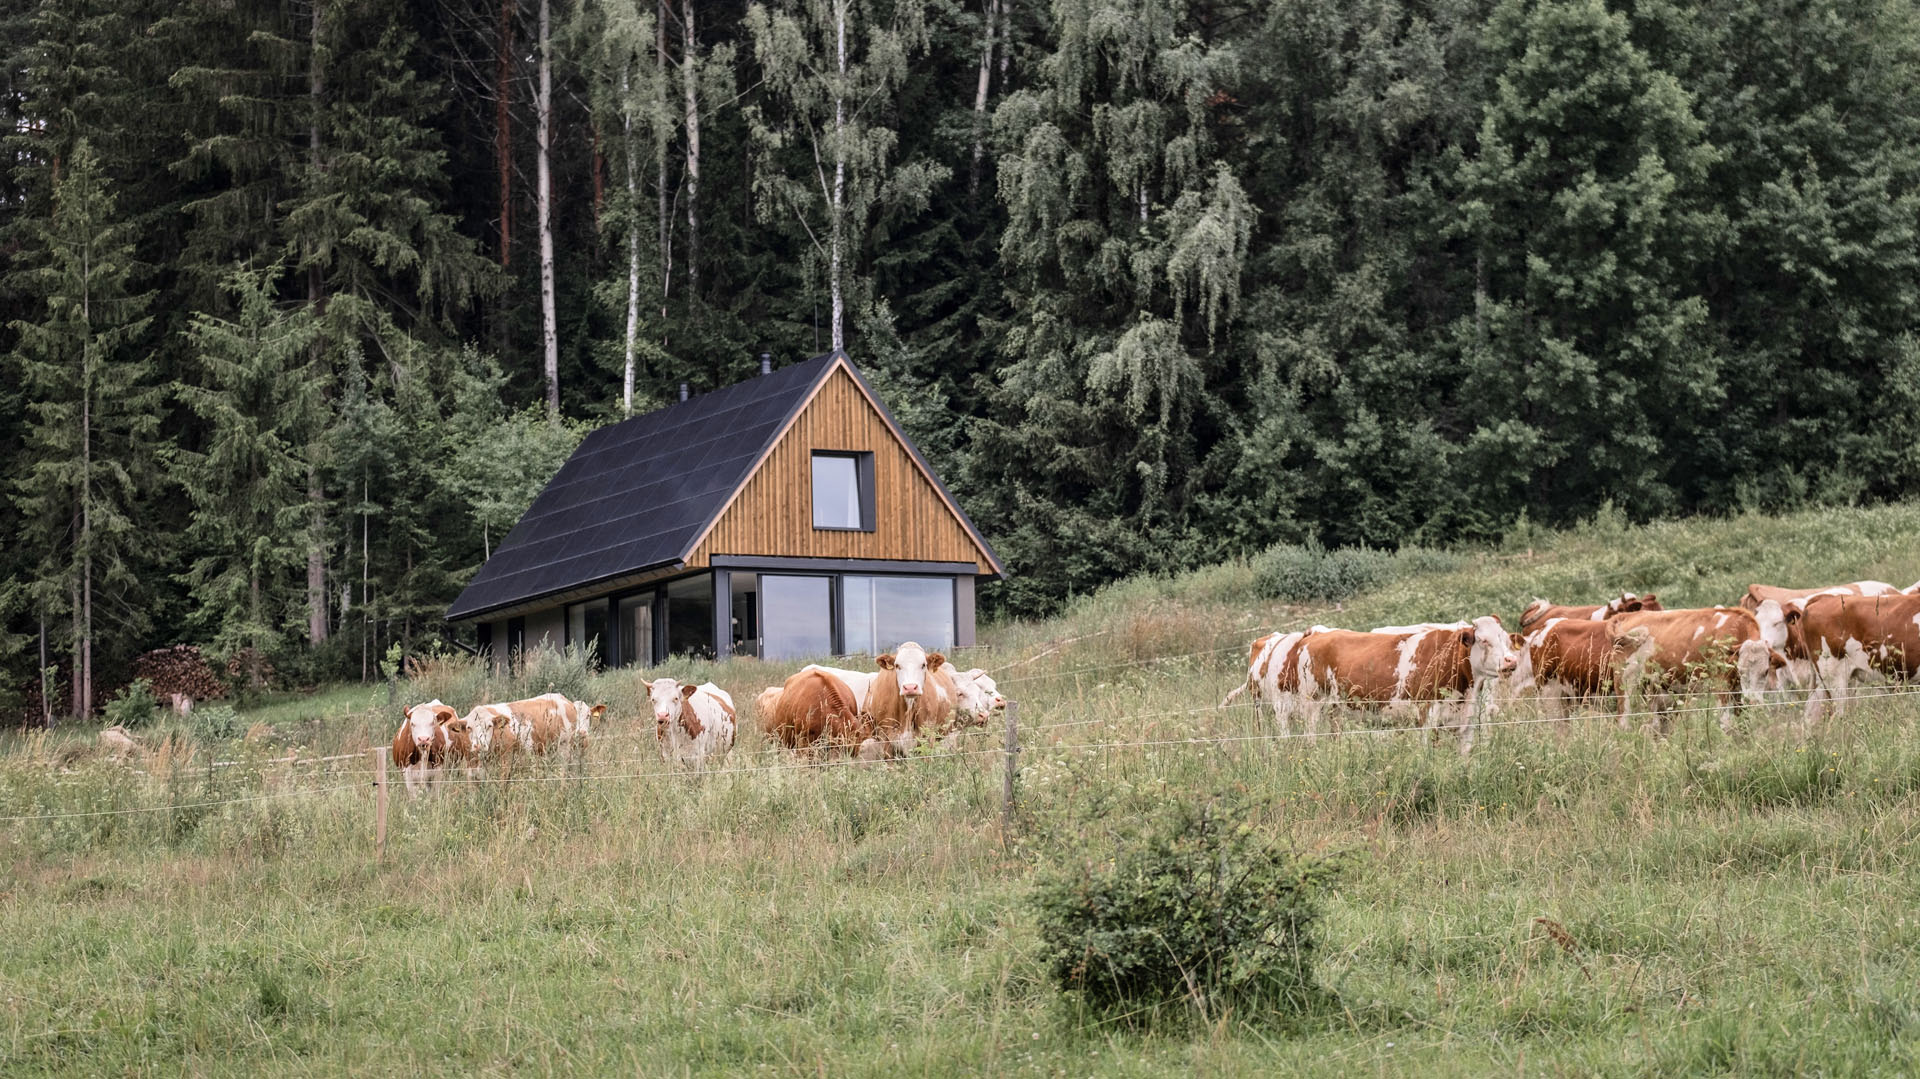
689,77
549,319
837,205
633,240
980,97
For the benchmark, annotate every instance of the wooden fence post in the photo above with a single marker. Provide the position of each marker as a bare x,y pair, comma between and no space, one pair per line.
1013,757
380,804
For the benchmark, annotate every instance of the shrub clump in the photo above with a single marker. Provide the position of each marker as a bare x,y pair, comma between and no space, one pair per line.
1190,907
1311,573
133,706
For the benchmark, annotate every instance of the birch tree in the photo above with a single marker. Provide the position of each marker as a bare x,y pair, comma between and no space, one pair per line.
829,68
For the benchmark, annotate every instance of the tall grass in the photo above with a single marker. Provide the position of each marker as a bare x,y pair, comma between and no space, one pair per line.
1595,903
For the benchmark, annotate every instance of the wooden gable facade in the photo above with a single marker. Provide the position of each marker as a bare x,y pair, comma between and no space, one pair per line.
915,520
694,530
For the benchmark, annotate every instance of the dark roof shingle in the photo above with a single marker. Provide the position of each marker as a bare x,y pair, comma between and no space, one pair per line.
639,493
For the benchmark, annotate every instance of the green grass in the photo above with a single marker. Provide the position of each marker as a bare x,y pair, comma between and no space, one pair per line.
1734,906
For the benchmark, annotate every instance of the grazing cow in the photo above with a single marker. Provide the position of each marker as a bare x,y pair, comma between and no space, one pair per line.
537,724
1428,672
1726,647
691,723
974,696
420,745
1540,610
900,703
1799,671
815,709
1273,673
1847,635
1572,658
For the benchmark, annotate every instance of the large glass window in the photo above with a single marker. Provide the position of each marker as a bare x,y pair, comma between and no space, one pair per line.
744,588
837,491
881,612
796,616
587,626
636,630
690,617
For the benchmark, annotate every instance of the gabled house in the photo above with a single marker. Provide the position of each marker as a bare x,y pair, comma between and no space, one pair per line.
784,516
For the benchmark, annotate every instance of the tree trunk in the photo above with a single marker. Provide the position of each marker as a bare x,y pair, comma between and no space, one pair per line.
83,704
503,130
660,159
836,205
549,319
633,241
980,98
317,300
691,85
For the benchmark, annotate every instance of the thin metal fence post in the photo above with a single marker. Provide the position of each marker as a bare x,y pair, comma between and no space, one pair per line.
1013,758
380,804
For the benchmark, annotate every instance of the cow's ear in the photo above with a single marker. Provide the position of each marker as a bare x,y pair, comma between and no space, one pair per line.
1466,638
688,690
443,714
934,660
885,660
1794,614
597,711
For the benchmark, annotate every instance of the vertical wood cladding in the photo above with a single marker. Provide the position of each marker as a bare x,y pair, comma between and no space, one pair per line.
773,514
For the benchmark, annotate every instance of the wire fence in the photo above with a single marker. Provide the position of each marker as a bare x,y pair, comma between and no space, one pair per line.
581,769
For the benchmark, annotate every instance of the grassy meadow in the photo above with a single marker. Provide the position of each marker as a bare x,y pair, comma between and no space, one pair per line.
1567,901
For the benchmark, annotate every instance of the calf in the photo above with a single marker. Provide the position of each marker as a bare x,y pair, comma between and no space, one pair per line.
1842,636
1572,658
1663,651
1539,611
537,725
692,724
1428,672
420,745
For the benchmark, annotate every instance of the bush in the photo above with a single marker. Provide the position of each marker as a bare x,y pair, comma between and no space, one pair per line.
1192,906
216,723
133,706
1308,572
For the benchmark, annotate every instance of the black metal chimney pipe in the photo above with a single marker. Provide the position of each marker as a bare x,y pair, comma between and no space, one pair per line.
683,391
766,363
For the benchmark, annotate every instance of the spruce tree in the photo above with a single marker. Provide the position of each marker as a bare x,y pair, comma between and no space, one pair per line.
259,393
93,414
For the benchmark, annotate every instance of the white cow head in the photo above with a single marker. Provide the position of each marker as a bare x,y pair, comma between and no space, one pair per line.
1759,667
479,724
668,697
423,720
1773,624
1491,652
911,664
978,696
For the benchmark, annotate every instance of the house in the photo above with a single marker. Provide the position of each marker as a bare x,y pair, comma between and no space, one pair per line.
784,516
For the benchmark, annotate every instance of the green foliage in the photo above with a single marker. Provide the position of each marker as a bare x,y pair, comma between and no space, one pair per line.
1189,906
1309,572
134,706
215,723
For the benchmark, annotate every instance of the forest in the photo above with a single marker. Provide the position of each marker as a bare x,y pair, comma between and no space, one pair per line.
304,301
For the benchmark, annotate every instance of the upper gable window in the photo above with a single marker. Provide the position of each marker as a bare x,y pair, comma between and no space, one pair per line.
843,491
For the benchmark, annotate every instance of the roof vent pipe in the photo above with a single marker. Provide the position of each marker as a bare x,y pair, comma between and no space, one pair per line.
766,363
683,391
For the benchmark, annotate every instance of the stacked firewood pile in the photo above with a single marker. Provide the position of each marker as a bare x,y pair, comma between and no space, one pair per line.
179,671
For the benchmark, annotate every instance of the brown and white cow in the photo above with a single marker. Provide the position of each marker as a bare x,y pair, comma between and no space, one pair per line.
1540,610
902,701
1273,673
815,709
1432,673
1572,658
1799,670
1726,648
420,745
1845,636
538,725
692,724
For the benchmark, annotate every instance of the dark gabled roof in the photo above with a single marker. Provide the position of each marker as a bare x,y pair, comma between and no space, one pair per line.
641,494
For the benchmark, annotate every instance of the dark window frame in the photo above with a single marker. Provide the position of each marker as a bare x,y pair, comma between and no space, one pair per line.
863,479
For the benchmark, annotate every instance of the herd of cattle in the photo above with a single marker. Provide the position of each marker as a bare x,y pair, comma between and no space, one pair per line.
1626,651
878,714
